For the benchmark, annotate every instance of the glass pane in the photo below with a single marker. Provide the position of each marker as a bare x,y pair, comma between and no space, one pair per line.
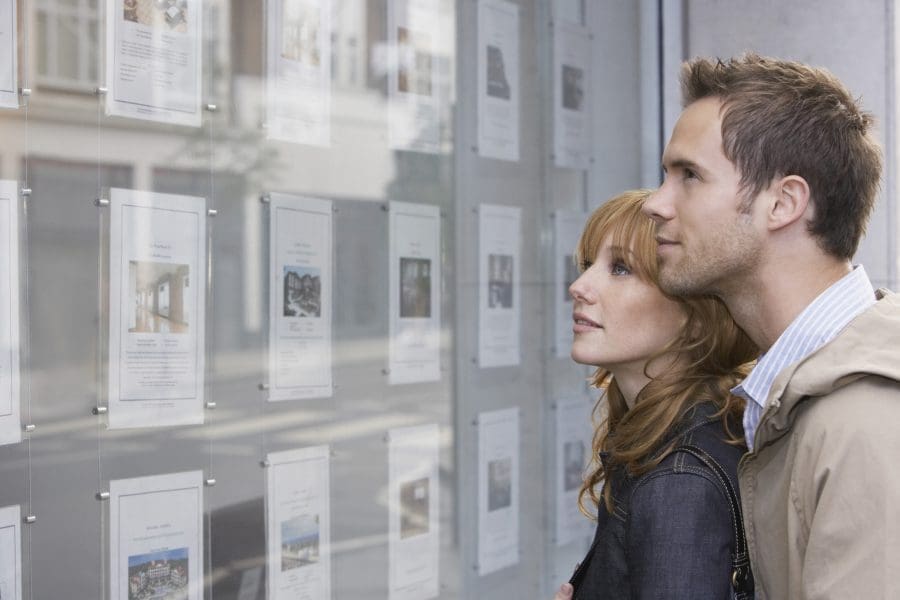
91,49
68,48
42,45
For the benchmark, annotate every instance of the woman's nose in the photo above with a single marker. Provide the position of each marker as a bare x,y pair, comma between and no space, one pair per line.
581,289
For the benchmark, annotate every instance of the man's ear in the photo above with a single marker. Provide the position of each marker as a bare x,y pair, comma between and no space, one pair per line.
789,202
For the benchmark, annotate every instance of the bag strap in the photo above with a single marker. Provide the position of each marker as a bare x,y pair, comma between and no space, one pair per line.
741,575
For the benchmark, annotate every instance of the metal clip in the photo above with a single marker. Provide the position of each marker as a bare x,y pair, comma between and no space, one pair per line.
25,192
100,91
211,405
29,428
264,464
210,482
101,201
102,496
212,212
30,519
265,198
25,91
99,410
263,387
212,107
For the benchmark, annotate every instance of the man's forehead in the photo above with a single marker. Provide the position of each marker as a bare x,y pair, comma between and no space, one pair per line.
697,133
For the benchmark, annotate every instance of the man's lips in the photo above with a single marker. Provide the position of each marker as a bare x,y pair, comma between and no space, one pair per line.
664,244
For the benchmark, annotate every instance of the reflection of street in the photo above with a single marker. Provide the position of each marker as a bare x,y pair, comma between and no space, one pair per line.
148,322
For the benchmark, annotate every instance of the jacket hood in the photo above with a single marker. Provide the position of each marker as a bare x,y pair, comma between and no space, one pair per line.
869,345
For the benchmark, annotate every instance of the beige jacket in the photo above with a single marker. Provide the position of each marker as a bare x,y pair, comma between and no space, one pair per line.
821,492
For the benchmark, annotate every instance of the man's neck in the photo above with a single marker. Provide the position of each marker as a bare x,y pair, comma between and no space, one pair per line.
766,303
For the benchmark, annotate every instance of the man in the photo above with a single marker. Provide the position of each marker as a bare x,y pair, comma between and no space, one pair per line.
770,177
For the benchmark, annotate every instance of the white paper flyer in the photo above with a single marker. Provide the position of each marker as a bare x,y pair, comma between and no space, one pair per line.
498,79
571,96
9,93
567,231
10,404
413,535
298,518
157,308
573,450
300,259
499,303
413,107
498,490
153,60
11,553
414,297
156,537
298,49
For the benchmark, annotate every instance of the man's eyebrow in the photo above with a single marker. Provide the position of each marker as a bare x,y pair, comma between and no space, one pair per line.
683,163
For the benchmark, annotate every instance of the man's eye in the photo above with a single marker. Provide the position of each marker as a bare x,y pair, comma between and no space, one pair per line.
689,174
620,268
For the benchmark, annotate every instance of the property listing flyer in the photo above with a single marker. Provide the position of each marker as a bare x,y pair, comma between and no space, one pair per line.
10,553
157,308
156,537
567,230
414,297
413,536
498,490
10,420
300,258
499,310
153,60
298,49
498,79
298,518
413,107
571,101
9,94
573,450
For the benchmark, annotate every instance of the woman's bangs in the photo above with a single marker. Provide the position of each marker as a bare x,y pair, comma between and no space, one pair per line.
621,222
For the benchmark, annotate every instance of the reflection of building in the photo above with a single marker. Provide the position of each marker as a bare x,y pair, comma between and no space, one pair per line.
500,278
499,484
415,287
302,295
160,299
300,551
157,579
497,85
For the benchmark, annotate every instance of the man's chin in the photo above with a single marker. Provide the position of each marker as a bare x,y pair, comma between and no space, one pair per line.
676,284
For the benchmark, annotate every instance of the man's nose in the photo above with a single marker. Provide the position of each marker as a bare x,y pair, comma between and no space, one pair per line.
658,205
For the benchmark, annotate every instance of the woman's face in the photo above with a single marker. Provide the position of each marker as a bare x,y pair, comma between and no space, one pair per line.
620,320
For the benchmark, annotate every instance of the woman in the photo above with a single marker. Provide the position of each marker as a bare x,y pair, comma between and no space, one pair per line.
665,525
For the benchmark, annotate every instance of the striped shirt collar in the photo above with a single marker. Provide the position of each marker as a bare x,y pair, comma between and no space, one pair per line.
818,324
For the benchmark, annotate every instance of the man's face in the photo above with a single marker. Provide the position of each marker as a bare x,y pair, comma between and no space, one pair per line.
707,243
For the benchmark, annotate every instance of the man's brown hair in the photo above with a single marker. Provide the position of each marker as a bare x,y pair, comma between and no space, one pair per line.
784,118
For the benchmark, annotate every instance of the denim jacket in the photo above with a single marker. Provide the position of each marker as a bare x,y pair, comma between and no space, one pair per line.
670,535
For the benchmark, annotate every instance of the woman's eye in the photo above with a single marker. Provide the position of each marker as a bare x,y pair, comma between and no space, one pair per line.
620,268
585,265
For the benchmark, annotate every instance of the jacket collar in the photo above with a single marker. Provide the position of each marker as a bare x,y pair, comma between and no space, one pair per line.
868,346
